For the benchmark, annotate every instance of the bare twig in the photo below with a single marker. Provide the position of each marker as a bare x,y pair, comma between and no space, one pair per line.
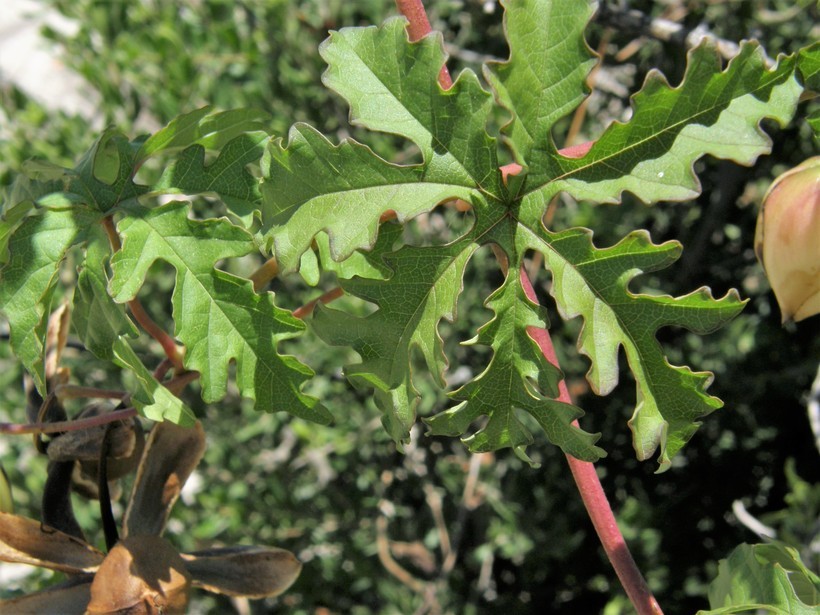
391,565
751,522
436,508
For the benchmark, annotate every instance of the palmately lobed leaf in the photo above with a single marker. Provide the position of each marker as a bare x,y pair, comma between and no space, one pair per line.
217,316
712,111
422,290
594,283
545,77
518,378
391,86
227,176
57,210
37,247
312,187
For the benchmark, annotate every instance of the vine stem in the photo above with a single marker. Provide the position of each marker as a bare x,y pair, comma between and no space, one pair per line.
169,346
586,478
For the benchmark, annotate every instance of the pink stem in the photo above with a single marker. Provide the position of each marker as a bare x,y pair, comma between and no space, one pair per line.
593,496
586,478
419,27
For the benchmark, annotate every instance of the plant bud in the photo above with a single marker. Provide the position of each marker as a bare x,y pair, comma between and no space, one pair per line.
787,240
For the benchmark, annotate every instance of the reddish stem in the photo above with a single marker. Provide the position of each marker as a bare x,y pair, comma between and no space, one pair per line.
419,27
169,346
307,309
586,478
593,496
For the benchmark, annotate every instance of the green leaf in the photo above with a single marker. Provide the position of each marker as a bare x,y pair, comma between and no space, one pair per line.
202,127
227,176
6,496
392,86
764,577
217,316
545,76
711,112
364,264
808,62
151,398
423,289
37,247
101,180
314,186
594,283
517,378
99,321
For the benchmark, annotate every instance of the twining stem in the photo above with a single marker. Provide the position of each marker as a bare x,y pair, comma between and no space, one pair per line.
586,478
169,346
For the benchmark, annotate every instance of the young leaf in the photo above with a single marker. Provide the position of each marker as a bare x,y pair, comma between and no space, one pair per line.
151,398
217,316
99,321
517,378
59,207
227,176
202,127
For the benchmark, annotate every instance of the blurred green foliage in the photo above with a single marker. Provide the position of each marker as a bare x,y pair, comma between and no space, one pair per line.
520,536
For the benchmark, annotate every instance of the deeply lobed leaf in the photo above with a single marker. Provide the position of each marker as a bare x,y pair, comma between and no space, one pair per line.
594,283
517,378
217,316
313,187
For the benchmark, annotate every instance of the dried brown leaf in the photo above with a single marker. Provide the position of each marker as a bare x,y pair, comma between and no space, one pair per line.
25,541
245,571
171,454
141,574
69,598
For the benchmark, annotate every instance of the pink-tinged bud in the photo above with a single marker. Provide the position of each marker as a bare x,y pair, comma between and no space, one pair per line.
787,240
